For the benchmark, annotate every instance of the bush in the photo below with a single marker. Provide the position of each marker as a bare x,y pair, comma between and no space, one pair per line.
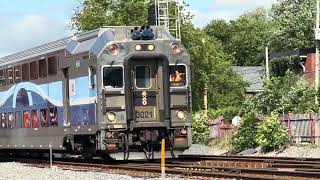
271,135
200,129
228,113
245,137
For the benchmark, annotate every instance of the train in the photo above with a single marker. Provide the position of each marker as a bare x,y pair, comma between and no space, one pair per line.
112,90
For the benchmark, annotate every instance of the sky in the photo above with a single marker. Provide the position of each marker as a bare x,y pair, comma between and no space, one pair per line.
29,23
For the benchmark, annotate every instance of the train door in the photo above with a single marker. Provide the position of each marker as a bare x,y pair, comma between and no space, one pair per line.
147,86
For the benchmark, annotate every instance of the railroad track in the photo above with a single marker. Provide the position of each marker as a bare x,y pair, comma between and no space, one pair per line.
204,167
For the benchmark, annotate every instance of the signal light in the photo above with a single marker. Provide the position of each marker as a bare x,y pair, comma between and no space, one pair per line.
113,49
175,48
183,131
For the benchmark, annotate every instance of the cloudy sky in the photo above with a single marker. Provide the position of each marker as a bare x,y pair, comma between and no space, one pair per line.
29,23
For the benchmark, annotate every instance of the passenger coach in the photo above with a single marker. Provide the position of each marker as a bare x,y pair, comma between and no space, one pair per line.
111,90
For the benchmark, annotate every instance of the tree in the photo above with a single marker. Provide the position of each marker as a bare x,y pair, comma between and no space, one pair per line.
295,21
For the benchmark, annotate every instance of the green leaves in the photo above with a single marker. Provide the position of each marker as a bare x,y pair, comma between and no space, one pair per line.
200,130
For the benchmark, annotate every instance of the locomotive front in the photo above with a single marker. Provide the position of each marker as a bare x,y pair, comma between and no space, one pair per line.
145,93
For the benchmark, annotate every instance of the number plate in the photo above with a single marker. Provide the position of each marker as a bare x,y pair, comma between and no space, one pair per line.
146,113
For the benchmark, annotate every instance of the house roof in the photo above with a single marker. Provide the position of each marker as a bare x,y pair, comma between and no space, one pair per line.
253,75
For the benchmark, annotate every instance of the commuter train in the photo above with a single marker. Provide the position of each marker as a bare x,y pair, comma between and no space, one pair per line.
110,90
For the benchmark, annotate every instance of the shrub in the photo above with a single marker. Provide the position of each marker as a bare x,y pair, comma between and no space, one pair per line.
271,135
245,137
200,129
228,113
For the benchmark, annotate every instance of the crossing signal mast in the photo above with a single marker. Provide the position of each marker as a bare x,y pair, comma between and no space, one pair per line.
166,13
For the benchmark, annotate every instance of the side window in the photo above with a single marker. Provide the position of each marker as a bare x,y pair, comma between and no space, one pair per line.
18,119
3,120
53,117
10,75
44,117
33,70
42,68
177,75
11,120
25,72
35,119
113,77
26,119
143,77
17,74
2,77
52,65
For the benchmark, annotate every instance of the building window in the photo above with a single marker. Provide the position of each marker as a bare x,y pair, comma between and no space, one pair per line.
52,65
33,70
42,68
10,75
26,119
44,117
53,117
35,119
18,119
25,72
3,120
3,77
177,75
113,77
17,74
11,120
143,76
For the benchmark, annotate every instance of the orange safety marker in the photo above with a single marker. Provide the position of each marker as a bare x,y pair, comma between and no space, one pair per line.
163,158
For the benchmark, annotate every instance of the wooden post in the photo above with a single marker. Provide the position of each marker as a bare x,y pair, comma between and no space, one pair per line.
205,101
163,158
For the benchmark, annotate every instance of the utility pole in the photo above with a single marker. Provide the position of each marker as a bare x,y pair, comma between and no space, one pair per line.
317,37
267,63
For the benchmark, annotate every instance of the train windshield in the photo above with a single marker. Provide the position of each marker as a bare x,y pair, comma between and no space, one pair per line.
177,75
113,77
143,77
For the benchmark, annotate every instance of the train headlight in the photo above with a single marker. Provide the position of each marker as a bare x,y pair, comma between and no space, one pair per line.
111,116
175,48
113,49
181,115
138,47
151,47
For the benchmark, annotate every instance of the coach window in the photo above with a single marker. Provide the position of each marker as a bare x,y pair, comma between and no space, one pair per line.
35,119
177,75
33,70
25,72
10,75
17,74
18,119
44,117
26,119
113,77
52,65
42,68
143,76
11,120
3,120
53,117
2,77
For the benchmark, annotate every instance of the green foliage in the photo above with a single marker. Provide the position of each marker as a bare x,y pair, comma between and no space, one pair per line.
271,135
228,113
245,136
200,130
291,93
221,143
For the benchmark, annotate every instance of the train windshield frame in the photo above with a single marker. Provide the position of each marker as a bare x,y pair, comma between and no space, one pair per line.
178,75
113,77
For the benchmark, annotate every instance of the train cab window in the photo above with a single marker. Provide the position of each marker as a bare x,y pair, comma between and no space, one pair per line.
10,75
33,70
44,117
177,75
53,117
26,119
3,120
52,65
42,68
17,74
113,77
25,72
2,77
35,119
143,77
18,119
11,120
